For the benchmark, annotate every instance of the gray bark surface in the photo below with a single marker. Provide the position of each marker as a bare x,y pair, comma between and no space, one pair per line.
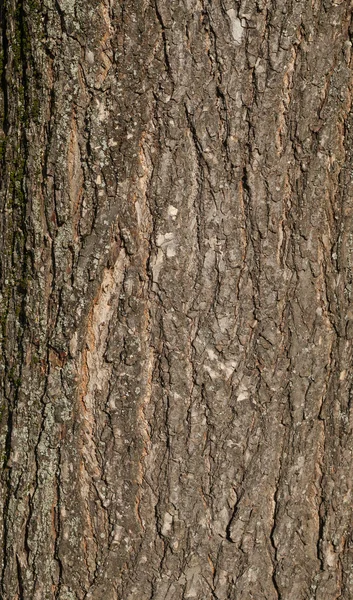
176,253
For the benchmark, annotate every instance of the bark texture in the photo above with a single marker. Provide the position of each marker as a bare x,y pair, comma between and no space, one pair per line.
176,300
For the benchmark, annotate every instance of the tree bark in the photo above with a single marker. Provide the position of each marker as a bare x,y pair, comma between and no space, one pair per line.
176,300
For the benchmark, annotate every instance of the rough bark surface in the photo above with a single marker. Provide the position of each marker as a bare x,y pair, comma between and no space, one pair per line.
176,300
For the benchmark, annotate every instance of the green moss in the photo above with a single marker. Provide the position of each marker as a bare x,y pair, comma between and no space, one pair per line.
26,102
21,44
33,6
13,378
2,149
35,109
17,196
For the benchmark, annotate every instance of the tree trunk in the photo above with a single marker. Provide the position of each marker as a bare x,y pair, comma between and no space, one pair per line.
176,300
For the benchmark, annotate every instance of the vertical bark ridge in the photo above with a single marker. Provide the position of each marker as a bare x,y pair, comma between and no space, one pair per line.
176,291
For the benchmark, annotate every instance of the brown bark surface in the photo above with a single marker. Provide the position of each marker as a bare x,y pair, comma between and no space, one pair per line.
176,235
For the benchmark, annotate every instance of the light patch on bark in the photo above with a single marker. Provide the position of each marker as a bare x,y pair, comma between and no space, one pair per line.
144,427
172,211
330,555
90,57
167,524
105,54
118,534
156,265
138,212
67,6
166,241
102,112
235,26
141,205
284,104
96,371
227,366
243,393
98,327
75,174
73,344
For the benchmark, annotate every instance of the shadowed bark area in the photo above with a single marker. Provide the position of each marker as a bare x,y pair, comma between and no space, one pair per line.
176,314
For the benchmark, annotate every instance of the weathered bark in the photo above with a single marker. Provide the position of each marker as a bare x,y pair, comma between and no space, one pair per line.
176,310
